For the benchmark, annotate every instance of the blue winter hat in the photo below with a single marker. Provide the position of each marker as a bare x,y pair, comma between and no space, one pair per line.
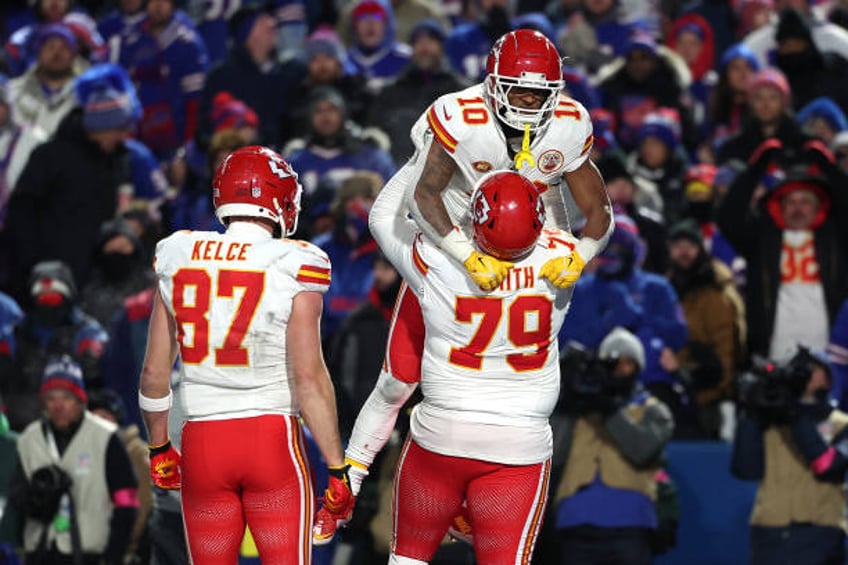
661,126
641,41
824,108
739,51
536,21
431,27
107,97
61,31
66,374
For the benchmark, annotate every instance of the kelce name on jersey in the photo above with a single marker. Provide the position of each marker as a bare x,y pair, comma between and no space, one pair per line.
518,278
206,250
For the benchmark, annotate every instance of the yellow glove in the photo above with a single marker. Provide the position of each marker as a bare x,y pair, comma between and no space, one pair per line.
563,272
486,271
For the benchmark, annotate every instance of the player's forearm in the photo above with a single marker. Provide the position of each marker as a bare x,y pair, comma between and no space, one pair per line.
426,205
317,402
155,401
388,221
377,419
590,195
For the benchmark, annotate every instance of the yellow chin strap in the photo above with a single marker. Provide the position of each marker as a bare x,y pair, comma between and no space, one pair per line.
525,157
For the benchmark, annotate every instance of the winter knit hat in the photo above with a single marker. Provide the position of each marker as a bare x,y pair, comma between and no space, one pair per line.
61,31
771,78
107,109
230,113
54,278
428,26
369,9
325,42
663,125
64,373
826,109
687,229
792,25
739,51
622,343
699,181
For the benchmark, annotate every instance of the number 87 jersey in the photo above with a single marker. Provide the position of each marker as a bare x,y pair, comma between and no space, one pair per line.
231,297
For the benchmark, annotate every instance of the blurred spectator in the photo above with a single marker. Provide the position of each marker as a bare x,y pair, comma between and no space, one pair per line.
729,99
715,315
212,19
10,316
837,351
659,160
124,354
468,44
356,353
692,38
326,66
700,206
74,483
9,518
596,33
794,240
811,72
120,270
374,50
167,60
127,15
620,293
16,144
426,77
92,47
839,146
641,203
769,98
579,86
644,79
351,249
827,37
44,94
53,325
796,452
77,180
335,147
251,73
752,15
408,13
108,405
22,47
604,127
822,119
614,444
192,207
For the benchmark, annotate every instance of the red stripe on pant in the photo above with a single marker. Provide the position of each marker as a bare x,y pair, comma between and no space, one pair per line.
246,469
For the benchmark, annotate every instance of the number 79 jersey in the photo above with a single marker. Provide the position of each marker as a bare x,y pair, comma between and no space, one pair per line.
464,125
491,360
231,297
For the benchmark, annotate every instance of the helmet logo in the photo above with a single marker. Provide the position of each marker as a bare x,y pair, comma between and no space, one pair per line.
255,191
551,161
482,166
540,212
278,170
481,209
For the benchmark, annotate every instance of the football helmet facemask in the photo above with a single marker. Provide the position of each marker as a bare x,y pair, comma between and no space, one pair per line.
256,181
507,214
523,59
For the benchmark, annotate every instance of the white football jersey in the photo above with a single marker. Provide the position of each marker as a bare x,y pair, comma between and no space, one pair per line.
462,123
231,296
490,369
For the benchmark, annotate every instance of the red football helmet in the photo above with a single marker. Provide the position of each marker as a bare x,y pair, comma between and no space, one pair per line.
523,58
507,213
257,181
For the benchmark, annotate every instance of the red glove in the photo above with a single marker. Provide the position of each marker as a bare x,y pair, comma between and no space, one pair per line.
165,466
337,508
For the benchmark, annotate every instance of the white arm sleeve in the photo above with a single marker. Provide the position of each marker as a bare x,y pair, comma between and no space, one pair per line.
589,247
377,418
389,225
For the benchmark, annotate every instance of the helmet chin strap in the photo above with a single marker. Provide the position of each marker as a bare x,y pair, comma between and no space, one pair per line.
283,230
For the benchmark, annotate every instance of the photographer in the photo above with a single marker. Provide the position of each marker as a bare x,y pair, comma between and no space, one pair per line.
615,439
74,483
791,440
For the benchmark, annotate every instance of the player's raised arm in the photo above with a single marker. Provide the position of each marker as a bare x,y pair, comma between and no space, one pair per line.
590,195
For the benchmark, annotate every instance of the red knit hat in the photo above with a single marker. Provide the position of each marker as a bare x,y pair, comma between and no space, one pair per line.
229,113
370,8
771,78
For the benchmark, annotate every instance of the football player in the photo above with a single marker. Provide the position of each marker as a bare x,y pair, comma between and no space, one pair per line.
490,379
242,309
516,118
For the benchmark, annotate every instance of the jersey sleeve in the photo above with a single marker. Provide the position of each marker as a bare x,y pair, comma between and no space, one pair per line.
312,270
572,115
452,119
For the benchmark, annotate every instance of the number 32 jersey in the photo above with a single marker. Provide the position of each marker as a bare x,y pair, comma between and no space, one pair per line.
231,296
490,368
465,127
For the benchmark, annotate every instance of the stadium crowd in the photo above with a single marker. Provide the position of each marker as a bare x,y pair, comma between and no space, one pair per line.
720,130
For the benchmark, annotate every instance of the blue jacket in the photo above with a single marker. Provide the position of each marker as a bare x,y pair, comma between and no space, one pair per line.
312,166
645,303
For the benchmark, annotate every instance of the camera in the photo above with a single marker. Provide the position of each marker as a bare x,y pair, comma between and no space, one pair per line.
773,389
586,381
45,490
